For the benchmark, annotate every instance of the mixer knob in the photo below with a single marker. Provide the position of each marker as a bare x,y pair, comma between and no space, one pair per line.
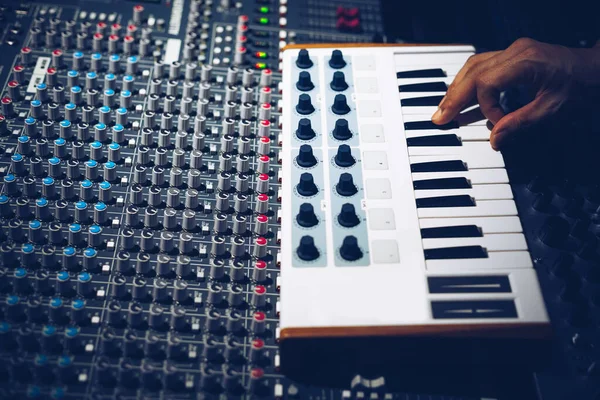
305,106
343,157
338,82
350,250
345,185
305,131
307,250
337,60
306,187
306,157
347,216
306,216
341,131
340,105
304,82
303,61
266,77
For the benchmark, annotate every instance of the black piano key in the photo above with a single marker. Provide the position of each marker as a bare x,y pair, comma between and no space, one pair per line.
423,87
422,125
461,200
422,73
434,141
421,101
469,284
473,309
442,183
439,166
452,253
451,232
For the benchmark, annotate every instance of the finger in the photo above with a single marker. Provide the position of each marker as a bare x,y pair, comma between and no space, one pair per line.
492,82
471,63
462,91
530,114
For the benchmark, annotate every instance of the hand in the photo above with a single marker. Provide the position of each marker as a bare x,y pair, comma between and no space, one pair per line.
560,77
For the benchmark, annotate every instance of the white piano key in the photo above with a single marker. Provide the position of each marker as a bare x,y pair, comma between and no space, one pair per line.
411,81
478,192
410,95
496,260
473,161
476,176
412,114
432,60
465,133
449,68
487,224
483,208
492,242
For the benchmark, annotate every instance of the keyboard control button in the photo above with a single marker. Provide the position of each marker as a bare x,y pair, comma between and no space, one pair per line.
307,250
306,158
347,216
339,81
385,251
382,219
303,61
350,250
306,216
304,105
305,130
341,131
304,82
345,185
340,105
306,187
337,60
379,188
343,157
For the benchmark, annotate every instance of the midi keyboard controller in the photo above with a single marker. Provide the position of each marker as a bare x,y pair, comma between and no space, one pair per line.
141,209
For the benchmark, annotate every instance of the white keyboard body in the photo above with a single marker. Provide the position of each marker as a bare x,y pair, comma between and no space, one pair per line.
393,290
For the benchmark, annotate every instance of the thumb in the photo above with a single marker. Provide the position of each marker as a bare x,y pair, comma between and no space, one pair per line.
509,125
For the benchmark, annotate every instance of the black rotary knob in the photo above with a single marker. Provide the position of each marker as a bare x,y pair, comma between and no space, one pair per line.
304,105
304,82
345,185
306,187
554,231
306,216
305,130
307,250
340,105
341,131
303,61
306,158
347,216
337,60
343,157
338,83
350,250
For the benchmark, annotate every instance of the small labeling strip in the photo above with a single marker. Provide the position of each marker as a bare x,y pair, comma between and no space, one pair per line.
39,73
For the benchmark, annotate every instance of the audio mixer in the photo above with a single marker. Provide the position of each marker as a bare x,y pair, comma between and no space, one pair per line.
189,185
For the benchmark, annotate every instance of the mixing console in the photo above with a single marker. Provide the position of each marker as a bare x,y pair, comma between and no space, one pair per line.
140,205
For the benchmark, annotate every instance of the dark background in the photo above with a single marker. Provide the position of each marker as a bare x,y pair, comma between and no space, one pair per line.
492,24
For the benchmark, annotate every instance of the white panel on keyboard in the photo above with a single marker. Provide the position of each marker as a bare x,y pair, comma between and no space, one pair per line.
388,220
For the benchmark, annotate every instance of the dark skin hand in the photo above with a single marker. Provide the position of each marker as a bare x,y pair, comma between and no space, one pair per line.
563,80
